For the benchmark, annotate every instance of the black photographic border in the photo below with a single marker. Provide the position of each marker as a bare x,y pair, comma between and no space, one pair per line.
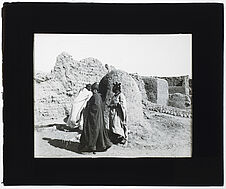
203,20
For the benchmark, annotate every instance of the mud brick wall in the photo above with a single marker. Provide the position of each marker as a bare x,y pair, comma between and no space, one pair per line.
55,91
129,89
179,100
76,74
162,92
177,81
50,100
178,89
140,84
150,86
178,84
156,90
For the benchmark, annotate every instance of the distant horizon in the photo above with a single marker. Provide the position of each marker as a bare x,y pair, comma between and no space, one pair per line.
166,55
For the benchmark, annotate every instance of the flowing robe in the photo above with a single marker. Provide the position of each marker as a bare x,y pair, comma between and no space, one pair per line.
94,135
75,118
118,115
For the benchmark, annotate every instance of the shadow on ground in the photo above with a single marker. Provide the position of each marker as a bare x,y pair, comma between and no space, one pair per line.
67,145
64,127
61,127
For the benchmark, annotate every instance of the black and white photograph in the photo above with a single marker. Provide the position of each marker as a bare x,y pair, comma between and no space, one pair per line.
112,95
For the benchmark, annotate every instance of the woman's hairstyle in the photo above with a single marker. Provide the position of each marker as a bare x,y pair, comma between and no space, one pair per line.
95,86
116,86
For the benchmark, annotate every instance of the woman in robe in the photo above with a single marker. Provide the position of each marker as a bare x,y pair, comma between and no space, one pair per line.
118,116
76,116
94,136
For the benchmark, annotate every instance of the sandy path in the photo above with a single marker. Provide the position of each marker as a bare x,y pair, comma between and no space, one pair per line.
162,136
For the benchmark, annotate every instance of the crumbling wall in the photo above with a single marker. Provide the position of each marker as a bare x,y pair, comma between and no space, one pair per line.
177,89
156,90
177,81
178,84
150,86
162,92
41,77
140,84
179,100
129,89
50,100
55,91
76,74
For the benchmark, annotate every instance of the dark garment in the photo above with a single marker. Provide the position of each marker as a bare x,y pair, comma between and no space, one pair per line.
94,135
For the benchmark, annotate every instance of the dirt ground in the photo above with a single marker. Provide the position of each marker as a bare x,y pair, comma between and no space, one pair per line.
161,135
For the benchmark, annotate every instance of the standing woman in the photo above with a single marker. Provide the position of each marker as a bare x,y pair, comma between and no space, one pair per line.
76,116
118,116
94,136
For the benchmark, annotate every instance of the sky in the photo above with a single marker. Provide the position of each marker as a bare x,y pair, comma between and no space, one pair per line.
147,55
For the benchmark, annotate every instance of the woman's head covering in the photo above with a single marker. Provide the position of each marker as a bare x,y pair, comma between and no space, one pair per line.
88,87
116,87
95,86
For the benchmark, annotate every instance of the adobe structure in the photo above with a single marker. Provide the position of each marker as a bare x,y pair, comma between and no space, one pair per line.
156,90
54,92
131,91
178,84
